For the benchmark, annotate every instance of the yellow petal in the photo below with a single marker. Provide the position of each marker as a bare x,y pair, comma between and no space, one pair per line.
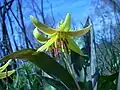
61,22
79,32
66,24
40,38
48,44
73,46
6,74
42,27
4,66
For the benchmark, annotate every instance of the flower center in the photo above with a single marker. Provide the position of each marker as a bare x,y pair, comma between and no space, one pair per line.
62,42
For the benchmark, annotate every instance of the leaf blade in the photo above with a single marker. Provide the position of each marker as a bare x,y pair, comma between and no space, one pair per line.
42,60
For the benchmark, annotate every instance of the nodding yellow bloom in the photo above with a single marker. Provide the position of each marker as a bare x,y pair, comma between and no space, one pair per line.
5,74
60,37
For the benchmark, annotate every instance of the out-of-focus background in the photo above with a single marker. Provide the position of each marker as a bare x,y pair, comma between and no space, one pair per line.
104,39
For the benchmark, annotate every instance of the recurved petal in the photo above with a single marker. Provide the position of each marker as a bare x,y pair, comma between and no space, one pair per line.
40,38
73,46
79,32
6,74
48,44
4,66
42,27
66,24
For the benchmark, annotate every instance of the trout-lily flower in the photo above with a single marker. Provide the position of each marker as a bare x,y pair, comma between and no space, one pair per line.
5,74
60,37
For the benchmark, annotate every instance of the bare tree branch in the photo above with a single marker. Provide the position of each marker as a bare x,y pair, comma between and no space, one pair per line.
6,4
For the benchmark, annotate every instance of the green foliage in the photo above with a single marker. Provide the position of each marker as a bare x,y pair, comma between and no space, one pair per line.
26,78
47,64
108,82
55,83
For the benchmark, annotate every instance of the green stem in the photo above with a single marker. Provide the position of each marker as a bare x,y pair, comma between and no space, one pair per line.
69,68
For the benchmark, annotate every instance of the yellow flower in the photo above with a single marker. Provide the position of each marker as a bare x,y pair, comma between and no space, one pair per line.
60,37
5,74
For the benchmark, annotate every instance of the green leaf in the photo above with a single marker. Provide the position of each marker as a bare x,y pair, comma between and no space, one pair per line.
42,27
6,74
40,38
2,68
74,47
79,32
107,82
55,83
78,61
106,86
47,64
86,85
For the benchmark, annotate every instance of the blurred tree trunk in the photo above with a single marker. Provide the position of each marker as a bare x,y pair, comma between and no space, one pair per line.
94,70
13,27
116,6
5,37
90,51
27,41
87,50
6,44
